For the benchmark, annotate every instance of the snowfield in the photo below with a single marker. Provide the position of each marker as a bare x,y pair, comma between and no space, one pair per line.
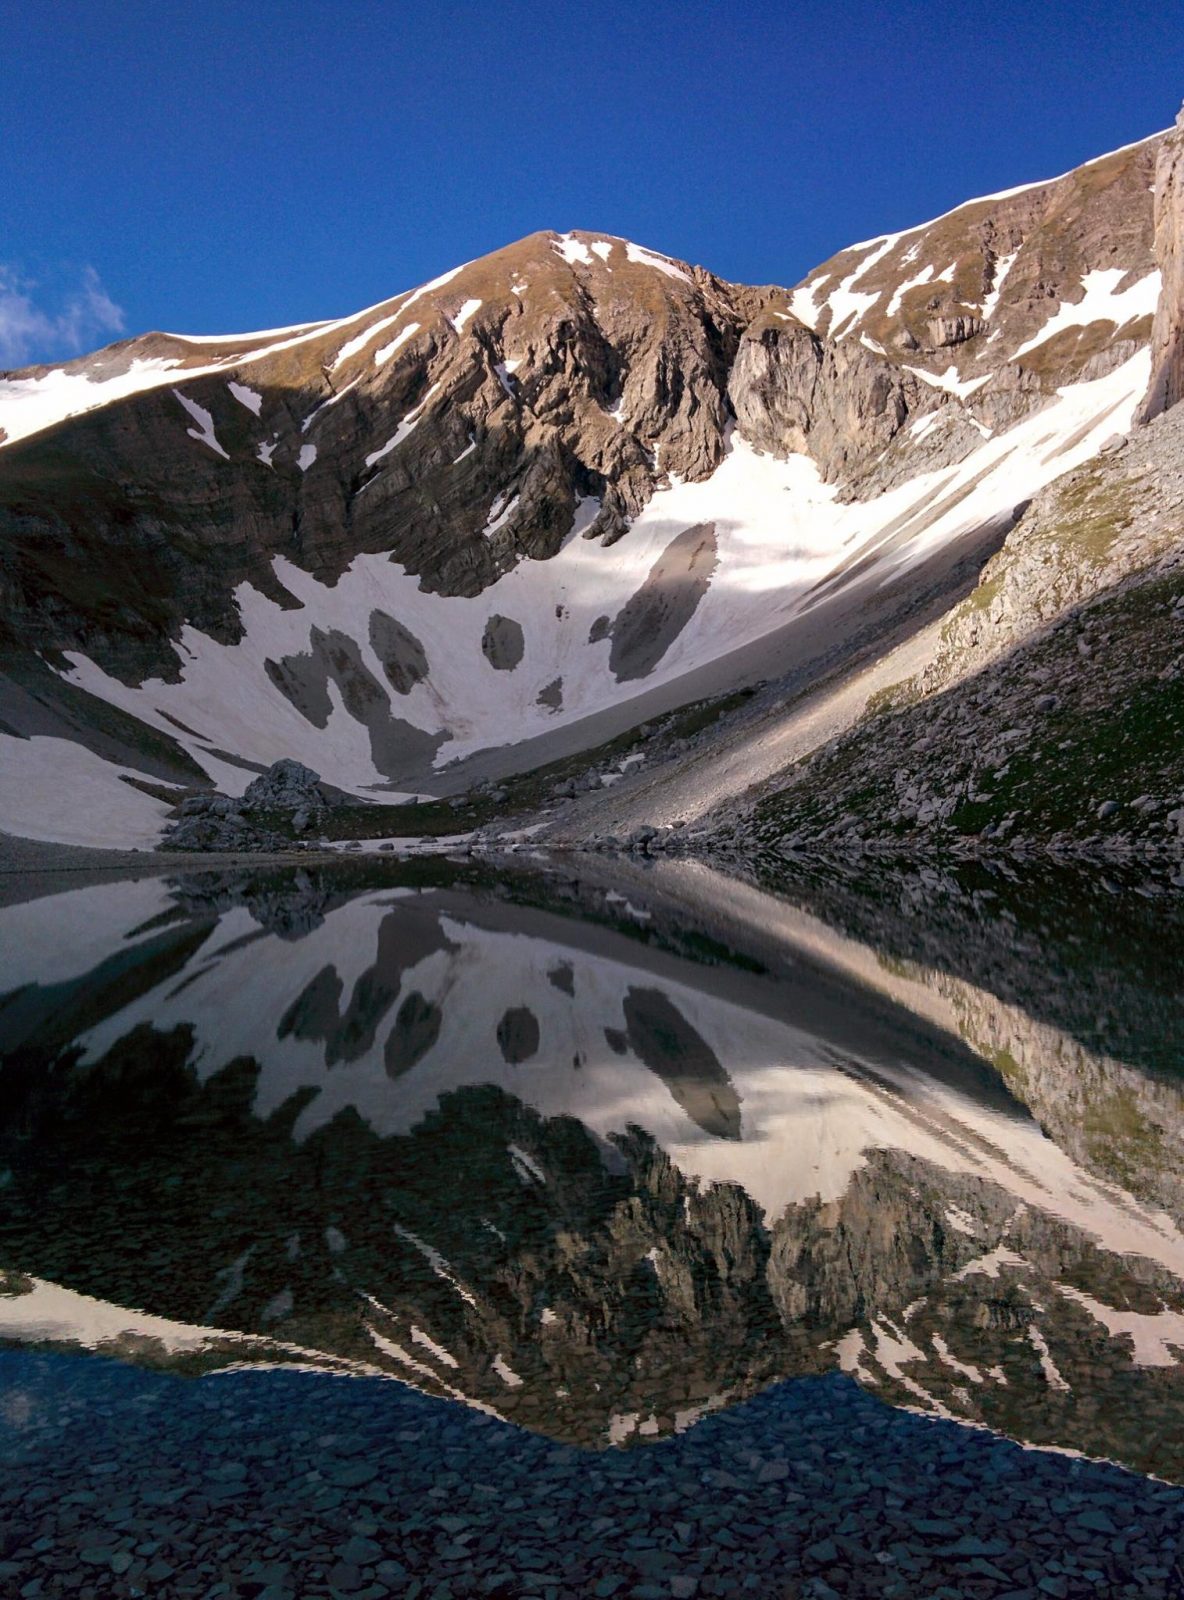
779,532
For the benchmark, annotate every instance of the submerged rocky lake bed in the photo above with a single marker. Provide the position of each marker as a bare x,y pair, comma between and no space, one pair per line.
571,1227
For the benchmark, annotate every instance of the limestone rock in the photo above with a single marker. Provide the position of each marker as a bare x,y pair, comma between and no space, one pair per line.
286,786
841,403
1167,333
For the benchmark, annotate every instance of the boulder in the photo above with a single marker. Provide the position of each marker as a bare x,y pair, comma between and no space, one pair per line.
286,786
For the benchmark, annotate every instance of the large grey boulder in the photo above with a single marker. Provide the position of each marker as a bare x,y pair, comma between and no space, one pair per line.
286,786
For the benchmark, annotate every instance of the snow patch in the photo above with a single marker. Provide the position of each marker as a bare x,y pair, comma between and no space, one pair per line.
61,792
418,1336
950,381
945,1355
500,513
1002,267
848,304
960,1221
437,1262
991,1264
381,357
505,1372
660,263
457,323
621,1424
315,415
572,250
250,398
527,1163
803,303
1047,1365
1157,1338
1101,302
924,276
28,405
405,428
204,432
361,340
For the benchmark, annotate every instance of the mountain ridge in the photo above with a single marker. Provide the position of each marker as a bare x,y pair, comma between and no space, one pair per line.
374,543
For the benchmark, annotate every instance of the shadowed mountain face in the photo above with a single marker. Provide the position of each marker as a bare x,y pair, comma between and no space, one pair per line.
572,472
585,1166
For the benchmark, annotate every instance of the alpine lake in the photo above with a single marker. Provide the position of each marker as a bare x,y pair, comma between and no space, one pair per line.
555,1227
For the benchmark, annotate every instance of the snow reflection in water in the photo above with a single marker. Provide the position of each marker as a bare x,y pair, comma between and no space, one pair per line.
513,1146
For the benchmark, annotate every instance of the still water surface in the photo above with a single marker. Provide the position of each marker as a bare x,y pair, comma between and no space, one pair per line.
668,1203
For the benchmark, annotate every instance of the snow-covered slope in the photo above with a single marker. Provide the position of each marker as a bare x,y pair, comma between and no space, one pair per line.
773,532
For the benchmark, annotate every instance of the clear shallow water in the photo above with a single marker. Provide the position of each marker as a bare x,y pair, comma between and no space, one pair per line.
655,1161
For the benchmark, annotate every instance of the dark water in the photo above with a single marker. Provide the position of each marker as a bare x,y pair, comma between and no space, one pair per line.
717,1242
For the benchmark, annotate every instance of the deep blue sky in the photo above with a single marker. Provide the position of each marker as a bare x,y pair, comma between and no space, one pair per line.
233,164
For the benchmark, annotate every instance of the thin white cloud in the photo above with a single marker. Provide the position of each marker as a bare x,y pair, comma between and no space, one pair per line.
31,331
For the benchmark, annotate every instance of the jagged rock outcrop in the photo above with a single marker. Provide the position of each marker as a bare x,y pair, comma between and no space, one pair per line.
1167,333
221,822
793,391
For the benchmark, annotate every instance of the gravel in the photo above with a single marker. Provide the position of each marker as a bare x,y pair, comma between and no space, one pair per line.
280,1484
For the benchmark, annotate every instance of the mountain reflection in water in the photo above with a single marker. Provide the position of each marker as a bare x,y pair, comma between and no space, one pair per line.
563,1152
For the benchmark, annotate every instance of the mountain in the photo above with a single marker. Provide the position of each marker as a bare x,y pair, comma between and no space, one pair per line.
515,512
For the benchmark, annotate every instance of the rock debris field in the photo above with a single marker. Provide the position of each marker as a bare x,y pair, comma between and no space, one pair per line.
283,1485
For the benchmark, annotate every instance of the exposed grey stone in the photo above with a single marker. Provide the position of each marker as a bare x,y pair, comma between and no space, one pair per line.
503,643
286,786
404,659
551,695
650,621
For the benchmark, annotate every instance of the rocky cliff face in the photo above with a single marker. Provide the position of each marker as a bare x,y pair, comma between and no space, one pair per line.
1167,334
843,404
